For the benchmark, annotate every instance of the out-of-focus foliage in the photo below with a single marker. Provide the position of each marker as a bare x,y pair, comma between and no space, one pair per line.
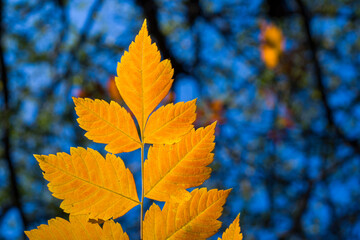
85,180
288,139
272,44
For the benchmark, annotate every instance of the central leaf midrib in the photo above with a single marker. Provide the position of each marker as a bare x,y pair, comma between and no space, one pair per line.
142,87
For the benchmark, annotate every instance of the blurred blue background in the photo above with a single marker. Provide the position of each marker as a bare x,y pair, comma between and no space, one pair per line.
281,77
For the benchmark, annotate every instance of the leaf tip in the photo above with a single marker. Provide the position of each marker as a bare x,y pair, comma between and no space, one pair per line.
144,26
77,100
38,157
193,101
237,219
28,234
227,192
211,127
214,124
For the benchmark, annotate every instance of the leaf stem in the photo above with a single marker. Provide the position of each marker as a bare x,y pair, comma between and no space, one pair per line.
142,188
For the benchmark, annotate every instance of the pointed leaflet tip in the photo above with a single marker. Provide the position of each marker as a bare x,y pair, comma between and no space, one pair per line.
143,80
237,219
144,25
144,28
37,157
233,232
213,125
209,128
227,191
77,100
69,174
42,158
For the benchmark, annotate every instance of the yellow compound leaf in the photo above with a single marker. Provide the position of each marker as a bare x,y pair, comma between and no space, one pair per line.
170,169
90,184
143,80
195,218
107,123
169,123
233,231
77,229
94,189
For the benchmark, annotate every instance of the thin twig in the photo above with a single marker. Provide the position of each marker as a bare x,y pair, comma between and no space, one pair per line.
306,17
84,34
150,11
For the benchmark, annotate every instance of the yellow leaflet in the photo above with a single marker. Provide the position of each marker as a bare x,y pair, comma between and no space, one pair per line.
169,123
154,224
233,231
107,123
195,218
143,80
77,229
89,184
170,169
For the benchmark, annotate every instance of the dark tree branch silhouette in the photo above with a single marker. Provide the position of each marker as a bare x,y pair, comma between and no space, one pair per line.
16,196
306,17
150,10
84,34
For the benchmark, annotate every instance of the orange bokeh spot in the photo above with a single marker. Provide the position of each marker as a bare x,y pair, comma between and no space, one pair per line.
272,44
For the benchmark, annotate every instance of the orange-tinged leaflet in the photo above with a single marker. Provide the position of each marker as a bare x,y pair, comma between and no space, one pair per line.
195,218
142,79
90,184
77,229
170,169
107,123
168,124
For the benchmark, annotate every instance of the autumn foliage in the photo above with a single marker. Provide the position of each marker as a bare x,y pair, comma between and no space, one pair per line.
272,44
95,189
